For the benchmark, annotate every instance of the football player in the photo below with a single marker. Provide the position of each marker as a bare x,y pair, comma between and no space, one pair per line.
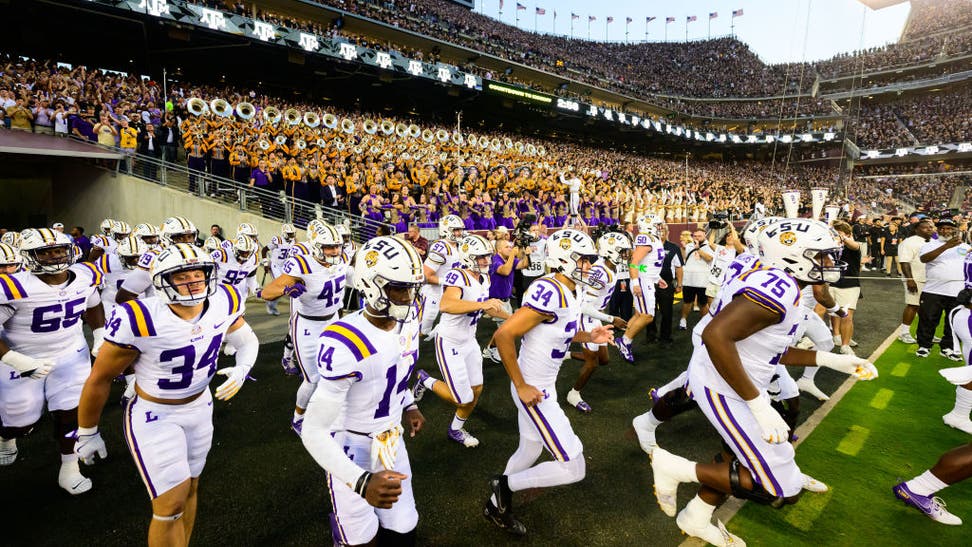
754,319
349,245
149,235
353,425
647,259
275,255
238,266
172,340
10,260
104,242
443,256
614,250
44,354
298,249
316,286
174,230
465,298
547,322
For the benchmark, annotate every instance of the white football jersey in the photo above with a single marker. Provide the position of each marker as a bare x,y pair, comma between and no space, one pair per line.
349,249
774,290
232,272
278,251
537,258
380,363
139,281
722,256
325,285
544,347
473,288
104,242
177,358
650,267
443,256
300,249
961,320
600,297
807,299
44,321
743,263
115,274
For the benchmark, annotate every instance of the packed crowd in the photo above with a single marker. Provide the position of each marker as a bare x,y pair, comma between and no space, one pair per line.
933,118
934,16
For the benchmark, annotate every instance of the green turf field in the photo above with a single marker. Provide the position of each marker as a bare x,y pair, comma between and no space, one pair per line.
881,432
260,486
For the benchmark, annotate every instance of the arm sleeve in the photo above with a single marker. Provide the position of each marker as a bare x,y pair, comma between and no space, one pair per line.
322,411
137,282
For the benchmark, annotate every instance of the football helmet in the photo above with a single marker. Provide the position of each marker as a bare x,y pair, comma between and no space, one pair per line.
648,224
313,227
120,230
326,237
565,249
244,248
10,256
106,226
385,263
288,232
800,246
616,247
177,258
130,250
212,244
11,238
449,225
471,249
178,230
46,251
344,231
148,234
752,230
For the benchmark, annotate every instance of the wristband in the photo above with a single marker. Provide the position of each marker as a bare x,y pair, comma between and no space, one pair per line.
833,309
413,406
361,486
87,430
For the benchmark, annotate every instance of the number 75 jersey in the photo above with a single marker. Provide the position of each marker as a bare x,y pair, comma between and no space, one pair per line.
177,358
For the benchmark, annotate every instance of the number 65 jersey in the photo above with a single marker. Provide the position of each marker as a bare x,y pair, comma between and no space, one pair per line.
44,321
544,347
178,357
774,290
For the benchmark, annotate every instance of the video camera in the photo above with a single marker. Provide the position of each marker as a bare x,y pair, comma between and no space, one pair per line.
719,220
522,236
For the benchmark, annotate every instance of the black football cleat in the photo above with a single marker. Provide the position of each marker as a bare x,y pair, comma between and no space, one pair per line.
505,521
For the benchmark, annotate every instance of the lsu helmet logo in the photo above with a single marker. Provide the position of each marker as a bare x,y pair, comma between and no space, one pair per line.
788,238
371,258
565,244
465,247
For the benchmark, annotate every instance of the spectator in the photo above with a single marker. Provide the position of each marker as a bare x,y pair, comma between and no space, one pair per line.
847,291
81,240
506,260
695,275
216,231
414,236
671,273
944,260
913,271
169,137
20,116
876,244
43,117
127,141
60,120
148,146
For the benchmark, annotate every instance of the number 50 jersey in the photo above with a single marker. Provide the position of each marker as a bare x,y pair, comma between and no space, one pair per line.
177,358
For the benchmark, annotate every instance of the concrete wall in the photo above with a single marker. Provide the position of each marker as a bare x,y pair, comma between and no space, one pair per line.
26,195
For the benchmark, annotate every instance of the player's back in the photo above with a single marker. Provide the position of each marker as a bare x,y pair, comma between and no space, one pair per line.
651,264
601,297
325,285
231,270
473,287
544,347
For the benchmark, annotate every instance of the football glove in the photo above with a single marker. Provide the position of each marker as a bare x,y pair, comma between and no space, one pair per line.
27,366
90,445
295,290
98,336
235,376
859,368
773,426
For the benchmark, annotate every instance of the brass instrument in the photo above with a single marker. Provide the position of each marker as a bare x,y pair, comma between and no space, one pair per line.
221,108
401,130
292,116
197,107
518,147
271,115
541,151
508,143
484,142
531,150
427,135
457,138
414,131
330,121
338,145
370,127
301,144
321,143
387,127
347,126
280,140
311,119
245,111
264,144
442,136
495,144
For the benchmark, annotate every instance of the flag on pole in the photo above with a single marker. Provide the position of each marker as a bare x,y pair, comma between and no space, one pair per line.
713,15
501,5
574,16
628,20
691,18
520,6
649,19
591,18
669,20
610,19
737,13
541,11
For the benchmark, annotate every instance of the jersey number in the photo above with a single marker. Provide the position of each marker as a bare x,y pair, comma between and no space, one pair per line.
384,406
779,289
189,365
72,311
571,328
331,292
235,276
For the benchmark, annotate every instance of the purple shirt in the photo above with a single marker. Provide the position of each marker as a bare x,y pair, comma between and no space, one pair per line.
501,286
259,177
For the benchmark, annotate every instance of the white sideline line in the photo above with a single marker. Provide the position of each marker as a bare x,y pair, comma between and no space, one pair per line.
732,506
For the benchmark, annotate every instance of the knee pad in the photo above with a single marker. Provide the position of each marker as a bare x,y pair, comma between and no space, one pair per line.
757,494
679,401
398,539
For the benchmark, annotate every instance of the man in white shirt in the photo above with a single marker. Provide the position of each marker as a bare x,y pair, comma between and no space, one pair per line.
913,272
695,275
944,260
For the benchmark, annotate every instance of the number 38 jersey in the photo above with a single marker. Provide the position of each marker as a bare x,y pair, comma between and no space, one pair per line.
474,287
325,285
544,347
44,321
380,364
177,357
774,290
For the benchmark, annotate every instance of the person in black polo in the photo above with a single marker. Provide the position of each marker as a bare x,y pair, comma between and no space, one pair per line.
671,272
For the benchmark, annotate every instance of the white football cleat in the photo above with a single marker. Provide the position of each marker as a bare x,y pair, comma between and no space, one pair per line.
962,423
8,451
811,484
716,534
907,338
71,479
645,433
807,386
666,483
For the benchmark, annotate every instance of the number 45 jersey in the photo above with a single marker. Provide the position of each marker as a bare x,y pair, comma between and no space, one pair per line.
44,321
325,285
774,290
177,357
544,347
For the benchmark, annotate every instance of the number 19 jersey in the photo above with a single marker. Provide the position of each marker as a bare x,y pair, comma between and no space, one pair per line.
544,347
473,287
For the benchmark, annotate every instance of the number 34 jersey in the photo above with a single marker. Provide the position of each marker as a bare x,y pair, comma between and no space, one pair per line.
325,285
544,347
177,357
44,321
774,290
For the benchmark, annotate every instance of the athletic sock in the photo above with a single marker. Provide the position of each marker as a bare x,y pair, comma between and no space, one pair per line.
625,339
904,329
429,382
963,402
810,372
698,512
573,397
457,423
926,484
68,458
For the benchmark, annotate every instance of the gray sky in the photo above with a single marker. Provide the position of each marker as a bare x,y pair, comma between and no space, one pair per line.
774,29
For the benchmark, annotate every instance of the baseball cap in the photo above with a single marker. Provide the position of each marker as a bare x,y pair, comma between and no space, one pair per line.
945,222
57,225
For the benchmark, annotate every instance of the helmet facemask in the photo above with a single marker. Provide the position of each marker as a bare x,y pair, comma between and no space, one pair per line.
402,310
320,253
52,259
821,272
579,275
206,286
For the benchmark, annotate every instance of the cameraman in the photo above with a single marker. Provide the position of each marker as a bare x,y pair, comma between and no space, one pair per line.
507,260
537,253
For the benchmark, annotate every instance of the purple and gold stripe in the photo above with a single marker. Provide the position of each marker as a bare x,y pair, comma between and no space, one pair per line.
641,303
300,249
96,275
133,448
139,317
302,264
11,287
550,439
337,530
755,462
444,369
756,267
465,277
103,264
352,338
294,329
233,296
763,300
